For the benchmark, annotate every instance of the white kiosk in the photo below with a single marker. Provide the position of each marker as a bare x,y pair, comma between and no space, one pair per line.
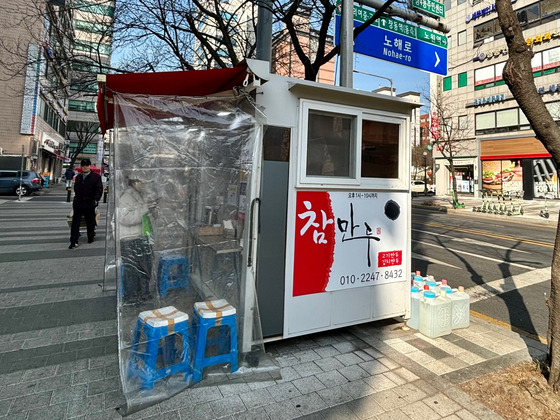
333,247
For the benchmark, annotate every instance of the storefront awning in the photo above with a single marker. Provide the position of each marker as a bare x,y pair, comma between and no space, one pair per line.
179,83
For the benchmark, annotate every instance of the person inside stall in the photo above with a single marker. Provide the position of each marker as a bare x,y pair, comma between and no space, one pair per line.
135,241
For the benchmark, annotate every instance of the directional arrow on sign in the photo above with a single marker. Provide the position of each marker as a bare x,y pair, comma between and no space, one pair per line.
437,59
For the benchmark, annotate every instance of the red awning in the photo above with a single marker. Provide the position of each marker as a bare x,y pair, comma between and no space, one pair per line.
177,83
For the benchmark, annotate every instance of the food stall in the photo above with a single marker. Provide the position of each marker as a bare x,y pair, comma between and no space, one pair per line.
264,208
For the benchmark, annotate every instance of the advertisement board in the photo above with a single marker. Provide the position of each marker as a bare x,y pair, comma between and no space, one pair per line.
345,240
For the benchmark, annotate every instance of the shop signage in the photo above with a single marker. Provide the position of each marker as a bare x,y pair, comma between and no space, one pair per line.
482,12
31,90
550,89
490,99
491,53
345,240
429,7
547,36
457,162
50,145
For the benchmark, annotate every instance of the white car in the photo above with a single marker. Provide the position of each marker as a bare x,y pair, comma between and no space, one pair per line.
417,187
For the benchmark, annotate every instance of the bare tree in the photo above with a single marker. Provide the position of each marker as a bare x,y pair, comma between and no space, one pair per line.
321,14
83,134
450,134
518,75
184,34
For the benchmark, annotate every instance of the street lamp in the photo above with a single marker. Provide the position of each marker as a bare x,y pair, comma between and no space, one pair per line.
425,173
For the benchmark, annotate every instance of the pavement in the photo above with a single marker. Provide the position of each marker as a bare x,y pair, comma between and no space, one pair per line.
58,342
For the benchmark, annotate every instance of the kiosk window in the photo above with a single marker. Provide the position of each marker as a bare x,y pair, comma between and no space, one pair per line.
330,140
380,149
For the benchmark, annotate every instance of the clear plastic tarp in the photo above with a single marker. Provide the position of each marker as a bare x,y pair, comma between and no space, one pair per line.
187,313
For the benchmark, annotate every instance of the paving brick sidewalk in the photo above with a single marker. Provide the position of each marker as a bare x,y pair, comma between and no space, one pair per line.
58,347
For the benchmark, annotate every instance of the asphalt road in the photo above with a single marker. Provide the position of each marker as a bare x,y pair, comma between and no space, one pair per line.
507,261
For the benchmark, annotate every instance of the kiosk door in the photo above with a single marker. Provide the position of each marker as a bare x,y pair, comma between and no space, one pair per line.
271,249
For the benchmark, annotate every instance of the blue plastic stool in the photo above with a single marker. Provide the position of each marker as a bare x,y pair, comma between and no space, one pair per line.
153,327
166,280
206,315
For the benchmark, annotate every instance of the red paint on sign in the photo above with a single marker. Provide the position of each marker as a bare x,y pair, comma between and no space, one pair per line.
314,242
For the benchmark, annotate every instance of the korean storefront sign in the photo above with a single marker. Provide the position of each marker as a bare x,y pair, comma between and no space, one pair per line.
345,240
490,99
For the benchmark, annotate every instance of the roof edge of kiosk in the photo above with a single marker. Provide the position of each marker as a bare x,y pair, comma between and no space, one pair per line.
173,83
331,93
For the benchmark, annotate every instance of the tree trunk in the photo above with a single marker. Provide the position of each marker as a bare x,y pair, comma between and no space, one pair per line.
518,75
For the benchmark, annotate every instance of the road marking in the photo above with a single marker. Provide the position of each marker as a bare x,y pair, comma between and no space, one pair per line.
526,267
432,260
497,287
490,235
470,241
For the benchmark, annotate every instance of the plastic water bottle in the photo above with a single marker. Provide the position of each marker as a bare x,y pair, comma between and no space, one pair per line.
460,308
415,296
445,288
435,315
432,285
418,281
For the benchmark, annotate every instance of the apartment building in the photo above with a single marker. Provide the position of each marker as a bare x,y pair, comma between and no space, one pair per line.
500,154
33,82
285,61
92,23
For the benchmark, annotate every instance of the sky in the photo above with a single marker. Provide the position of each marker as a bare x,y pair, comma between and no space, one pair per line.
404,78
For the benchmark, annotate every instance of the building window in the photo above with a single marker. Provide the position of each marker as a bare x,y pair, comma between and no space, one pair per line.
462,37
447,83
462,79
550,8
93,47
485,122
83,106
447,4
91,7
507,120
460,2
463,122
512,119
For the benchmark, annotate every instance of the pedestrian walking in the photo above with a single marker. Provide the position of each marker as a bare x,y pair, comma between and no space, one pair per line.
69,175
88,189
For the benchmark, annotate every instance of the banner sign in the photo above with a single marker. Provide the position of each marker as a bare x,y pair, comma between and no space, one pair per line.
349,239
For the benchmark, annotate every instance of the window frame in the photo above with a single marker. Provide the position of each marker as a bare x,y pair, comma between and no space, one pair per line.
355,181
464,76
461,36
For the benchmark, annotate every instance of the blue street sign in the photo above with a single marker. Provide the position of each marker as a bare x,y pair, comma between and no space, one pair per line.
397,48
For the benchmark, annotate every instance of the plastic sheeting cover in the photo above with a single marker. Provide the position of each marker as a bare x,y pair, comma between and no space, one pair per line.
182,177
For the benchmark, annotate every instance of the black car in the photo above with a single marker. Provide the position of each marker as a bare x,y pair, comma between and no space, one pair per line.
10,182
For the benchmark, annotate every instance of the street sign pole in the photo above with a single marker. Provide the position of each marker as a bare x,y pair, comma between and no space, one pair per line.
346,44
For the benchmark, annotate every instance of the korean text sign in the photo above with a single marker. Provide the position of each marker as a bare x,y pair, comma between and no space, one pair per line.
348,239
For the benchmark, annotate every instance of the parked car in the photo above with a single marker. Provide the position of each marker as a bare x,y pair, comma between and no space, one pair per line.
10,182
417,187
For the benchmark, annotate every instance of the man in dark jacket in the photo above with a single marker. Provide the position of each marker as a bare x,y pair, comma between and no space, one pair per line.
88,189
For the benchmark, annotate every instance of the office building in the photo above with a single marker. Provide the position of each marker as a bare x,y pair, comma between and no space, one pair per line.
500,154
